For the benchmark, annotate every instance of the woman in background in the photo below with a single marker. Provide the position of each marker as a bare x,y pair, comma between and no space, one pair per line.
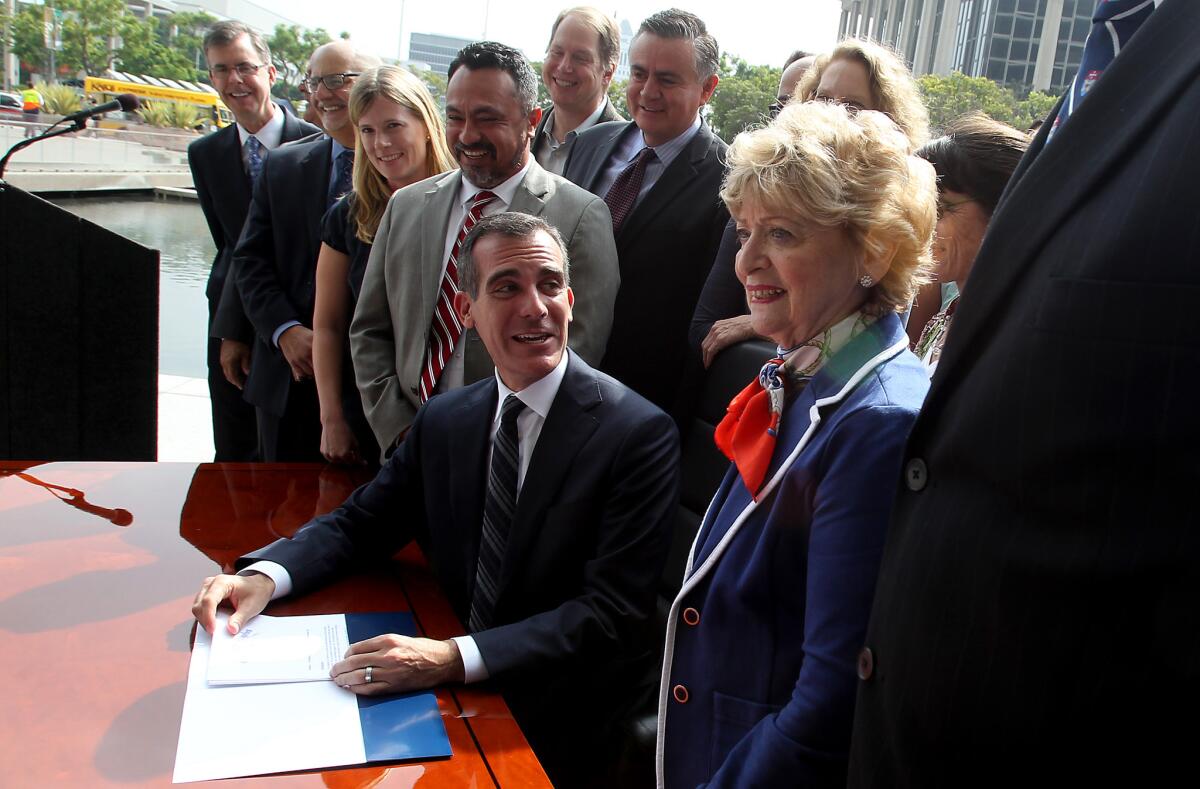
974,161
400,140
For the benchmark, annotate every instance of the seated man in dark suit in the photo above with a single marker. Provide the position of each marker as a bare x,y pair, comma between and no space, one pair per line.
659,174
551,559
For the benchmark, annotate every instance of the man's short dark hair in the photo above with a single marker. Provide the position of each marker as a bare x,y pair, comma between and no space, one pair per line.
799,54
225,32
492,54
510,224
674,23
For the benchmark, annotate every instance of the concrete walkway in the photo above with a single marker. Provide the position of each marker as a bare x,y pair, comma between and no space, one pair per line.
80,163
184,420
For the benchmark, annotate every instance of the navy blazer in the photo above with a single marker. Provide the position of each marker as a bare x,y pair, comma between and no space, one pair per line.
275,262
223,189
759,677
585,551
666,247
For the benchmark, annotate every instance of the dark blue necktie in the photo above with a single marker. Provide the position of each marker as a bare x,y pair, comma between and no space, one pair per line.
1113,24
499,504
341,182
255,158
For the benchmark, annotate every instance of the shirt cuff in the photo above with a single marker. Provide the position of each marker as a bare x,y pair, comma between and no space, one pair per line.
474,669
279,332
279,574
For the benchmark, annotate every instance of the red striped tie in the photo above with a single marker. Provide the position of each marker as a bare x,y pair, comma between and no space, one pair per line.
445,330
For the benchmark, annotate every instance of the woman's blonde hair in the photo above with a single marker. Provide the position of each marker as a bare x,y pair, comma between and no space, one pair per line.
831,168
894,92
371,190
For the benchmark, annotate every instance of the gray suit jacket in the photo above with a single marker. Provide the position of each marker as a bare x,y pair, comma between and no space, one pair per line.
609,113
389,334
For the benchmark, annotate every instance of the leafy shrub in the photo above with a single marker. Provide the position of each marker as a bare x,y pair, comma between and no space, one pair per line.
59,99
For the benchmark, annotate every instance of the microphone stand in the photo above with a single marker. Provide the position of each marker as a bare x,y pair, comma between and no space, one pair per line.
79,124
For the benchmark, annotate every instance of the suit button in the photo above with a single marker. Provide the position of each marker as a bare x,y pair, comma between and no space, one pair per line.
680,693
866,663
691,616
915,474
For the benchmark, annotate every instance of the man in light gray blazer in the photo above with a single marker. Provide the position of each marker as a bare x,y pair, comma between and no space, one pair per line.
406,343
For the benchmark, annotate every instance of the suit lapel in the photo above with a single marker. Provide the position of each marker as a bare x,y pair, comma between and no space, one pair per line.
681,172
567,429
1054,179
471,440
600,161
315,176
231,172
439,204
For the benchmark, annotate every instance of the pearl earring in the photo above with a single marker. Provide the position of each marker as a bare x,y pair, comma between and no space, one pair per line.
866,280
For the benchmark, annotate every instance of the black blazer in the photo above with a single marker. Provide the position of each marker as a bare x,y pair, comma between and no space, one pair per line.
275,261
666,247
223,189
585,552
1036,619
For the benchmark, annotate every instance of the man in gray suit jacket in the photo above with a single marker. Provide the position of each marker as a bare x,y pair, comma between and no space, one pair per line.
581,58
405,341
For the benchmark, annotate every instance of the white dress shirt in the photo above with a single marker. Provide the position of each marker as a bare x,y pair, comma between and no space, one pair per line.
270,136
538,397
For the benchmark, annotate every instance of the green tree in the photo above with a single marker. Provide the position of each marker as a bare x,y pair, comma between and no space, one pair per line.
89,31
543,100
616,94
1034,107
436,84
27,36
142,52
184,33
291,47
743,96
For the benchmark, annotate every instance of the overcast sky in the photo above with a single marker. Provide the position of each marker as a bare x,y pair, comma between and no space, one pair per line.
757,30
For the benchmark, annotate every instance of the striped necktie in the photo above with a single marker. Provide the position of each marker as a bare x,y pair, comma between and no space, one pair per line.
499,505
1113,24
445,329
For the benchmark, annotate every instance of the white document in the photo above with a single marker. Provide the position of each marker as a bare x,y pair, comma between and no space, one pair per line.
277,649
236,730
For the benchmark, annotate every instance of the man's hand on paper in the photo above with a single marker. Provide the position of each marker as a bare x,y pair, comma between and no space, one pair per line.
249,595
398,664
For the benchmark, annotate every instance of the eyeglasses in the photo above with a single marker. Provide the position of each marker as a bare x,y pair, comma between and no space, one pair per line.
330,81
243,70
944,207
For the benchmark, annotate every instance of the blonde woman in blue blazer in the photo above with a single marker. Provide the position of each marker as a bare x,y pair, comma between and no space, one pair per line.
835,220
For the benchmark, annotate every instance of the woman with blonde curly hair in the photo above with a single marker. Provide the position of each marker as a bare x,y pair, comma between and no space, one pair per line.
860,75
400,139
835,218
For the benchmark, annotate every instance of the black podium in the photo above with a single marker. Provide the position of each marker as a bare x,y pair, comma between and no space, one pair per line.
78,337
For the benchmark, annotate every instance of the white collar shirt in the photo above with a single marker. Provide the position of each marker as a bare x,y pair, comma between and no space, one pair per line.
552,154
270,136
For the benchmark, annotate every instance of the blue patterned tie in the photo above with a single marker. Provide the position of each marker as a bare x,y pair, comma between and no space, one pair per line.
255,158
342,183
1113,24
498,507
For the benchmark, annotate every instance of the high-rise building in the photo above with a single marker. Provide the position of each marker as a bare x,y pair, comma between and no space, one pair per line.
1027,43
622,72
434,50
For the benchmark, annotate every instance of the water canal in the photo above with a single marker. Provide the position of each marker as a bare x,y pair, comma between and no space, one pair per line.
177,229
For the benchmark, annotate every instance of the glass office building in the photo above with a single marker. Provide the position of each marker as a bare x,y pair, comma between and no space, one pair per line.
1022,43
435,51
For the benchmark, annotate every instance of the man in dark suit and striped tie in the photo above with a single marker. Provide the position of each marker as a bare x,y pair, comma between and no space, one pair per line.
551,558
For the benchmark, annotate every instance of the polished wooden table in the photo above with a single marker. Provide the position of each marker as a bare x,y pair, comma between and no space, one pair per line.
99,563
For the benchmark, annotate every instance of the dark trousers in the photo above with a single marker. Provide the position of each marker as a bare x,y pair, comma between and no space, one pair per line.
235,427
294,437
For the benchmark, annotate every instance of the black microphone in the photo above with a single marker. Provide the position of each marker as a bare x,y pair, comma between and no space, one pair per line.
126,102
